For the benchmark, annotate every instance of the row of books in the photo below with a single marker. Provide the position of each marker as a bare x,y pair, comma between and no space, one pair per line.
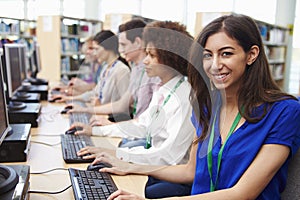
272,34
70,45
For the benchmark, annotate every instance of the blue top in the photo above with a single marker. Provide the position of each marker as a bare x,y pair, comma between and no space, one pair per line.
281,125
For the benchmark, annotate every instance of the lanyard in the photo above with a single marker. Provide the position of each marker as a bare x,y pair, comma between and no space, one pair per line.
155,114
213,185
103,79
136,98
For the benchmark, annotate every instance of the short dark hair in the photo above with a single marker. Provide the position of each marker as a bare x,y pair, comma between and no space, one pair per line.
108,40
133,28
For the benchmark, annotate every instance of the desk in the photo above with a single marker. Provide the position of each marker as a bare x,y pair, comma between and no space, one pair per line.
42,158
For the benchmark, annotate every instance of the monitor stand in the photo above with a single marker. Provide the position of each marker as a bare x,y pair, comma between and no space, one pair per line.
27,97
41,89
15,183
9,179
16,105
22,95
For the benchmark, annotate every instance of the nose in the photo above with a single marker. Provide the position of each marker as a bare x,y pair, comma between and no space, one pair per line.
121,49
146,60
216,63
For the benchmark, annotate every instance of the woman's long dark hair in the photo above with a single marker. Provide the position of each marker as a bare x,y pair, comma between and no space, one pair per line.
258,85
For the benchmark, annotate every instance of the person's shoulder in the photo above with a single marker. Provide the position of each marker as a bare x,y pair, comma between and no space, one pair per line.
290,105
122,66
289,102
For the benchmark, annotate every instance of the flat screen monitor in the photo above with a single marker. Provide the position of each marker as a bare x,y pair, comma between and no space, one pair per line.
35,61
13,67
24,62
4,125
8,176
13,76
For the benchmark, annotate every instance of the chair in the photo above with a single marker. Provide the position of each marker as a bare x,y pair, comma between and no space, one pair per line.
292,190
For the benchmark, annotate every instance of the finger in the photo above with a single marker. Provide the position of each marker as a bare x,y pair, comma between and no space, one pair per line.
114,195
89,156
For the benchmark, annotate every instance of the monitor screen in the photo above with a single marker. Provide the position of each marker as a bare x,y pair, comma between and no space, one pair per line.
4,125
13,67
36,60
24,62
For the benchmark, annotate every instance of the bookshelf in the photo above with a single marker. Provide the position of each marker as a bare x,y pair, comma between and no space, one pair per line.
275,39
60,40
13,30
113,20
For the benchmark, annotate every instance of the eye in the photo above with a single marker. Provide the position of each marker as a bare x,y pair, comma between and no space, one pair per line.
226,53
207,55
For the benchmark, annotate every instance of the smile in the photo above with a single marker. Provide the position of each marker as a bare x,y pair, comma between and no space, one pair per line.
220,77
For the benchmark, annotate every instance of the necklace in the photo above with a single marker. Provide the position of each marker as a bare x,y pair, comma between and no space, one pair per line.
136,99
155,114
105,75
213,184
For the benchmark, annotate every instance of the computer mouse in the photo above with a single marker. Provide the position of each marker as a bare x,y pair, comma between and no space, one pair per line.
69,107
98,166
73,130
54,99
66,109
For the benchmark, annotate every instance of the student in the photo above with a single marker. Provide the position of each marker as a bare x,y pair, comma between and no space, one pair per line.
244,123
86,82
114,76
170,102
166,122
138,96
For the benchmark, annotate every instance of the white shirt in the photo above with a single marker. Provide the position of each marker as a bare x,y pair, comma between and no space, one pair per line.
171,132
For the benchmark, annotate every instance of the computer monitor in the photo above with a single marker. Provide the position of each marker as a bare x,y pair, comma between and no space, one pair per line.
4,124
8,176
24,62
13,77
36,65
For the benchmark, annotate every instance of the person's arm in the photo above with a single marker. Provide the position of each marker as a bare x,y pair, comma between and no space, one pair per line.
122,105
268,161
124,129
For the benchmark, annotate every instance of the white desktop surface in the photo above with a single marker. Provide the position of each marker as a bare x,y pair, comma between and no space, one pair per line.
42,157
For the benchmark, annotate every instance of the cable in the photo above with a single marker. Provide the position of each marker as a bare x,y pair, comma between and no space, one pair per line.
50,170
47,192
49,135
51,145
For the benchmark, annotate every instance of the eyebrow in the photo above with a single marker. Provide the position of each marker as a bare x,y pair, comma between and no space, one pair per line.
222,49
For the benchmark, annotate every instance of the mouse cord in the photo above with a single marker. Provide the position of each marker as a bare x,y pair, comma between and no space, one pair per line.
47,144
47,192
50,135
50,170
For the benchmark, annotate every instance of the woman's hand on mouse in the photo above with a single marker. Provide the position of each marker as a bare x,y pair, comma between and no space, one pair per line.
86,129
119,167
77,108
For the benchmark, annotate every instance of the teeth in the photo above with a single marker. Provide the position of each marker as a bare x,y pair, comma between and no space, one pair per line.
220,76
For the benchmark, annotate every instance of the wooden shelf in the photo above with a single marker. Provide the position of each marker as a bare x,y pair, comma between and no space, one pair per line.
60,40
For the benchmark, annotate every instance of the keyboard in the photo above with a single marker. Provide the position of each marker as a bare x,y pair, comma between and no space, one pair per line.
71,144
91,184
77,102
79,117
